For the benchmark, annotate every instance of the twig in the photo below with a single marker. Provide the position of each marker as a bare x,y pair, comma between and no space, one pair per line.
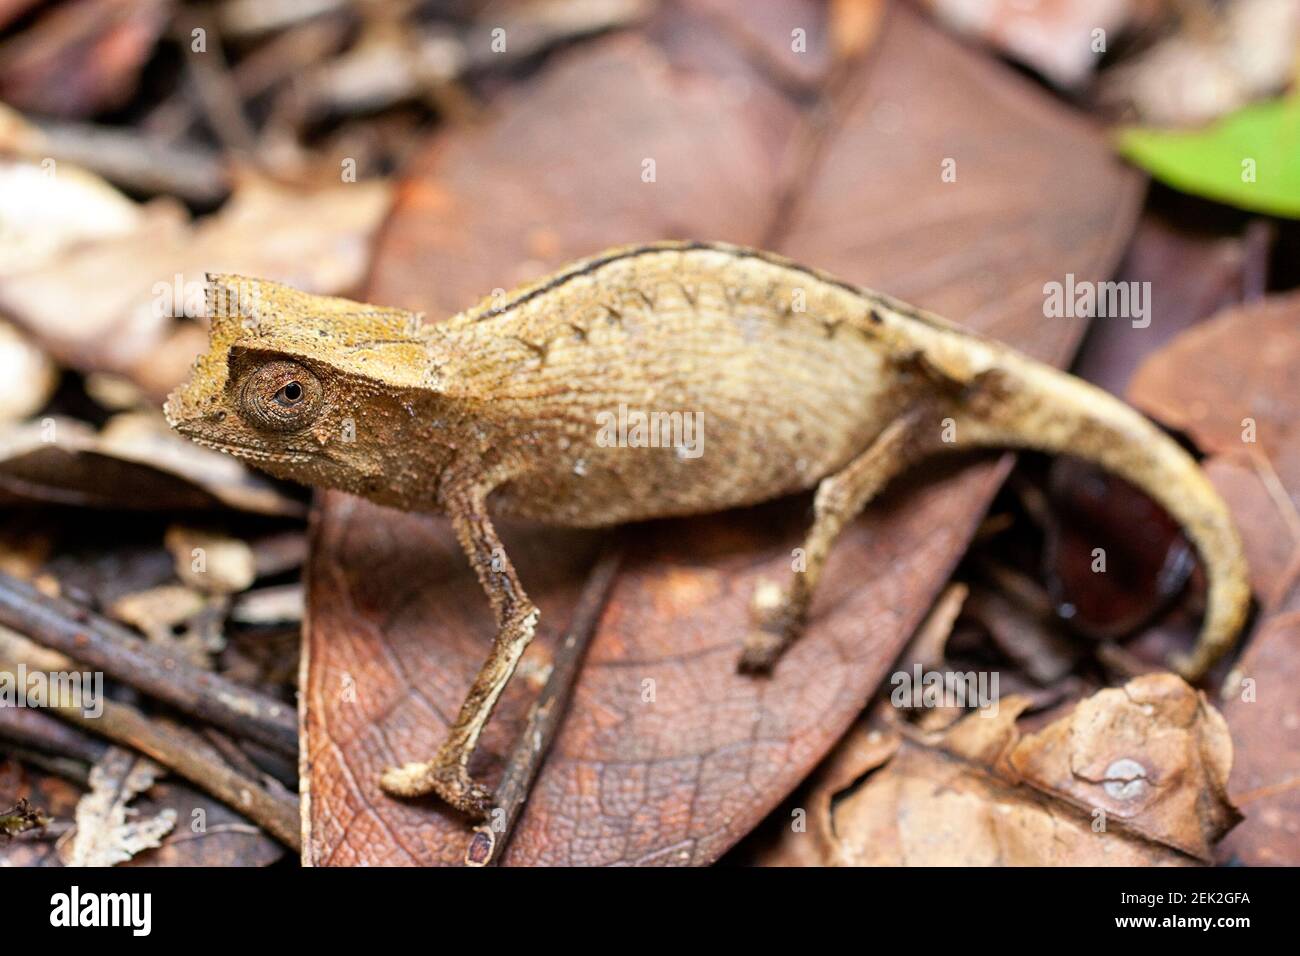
105,645
1256,245
230,752
37,730
281,58
234,755
209,77
273,764
490,838
288,54
150,166
70,769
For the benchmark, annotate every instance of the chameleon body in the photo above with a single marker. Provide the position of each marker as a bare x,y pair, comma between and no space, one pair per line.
793,378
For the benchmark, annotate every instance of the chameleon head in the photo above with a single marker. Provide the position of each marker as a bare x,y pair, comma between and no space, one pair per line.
287,383
269,407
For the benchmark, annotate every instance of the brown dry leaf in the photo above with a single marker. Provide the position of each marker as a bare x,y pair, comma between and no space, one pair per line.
1055,37
317,240
1133,776
47,208
81,58
857,752
157,611
805,837
396,625
207,833
114,392
280,604
210,561
108,831
27,376
1229,384
180,617
136,462
143,438
533,26
91,306
1153,755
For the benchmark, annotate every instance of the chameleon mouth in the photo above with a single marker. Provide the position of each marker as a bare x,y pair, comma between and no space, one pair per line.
253,453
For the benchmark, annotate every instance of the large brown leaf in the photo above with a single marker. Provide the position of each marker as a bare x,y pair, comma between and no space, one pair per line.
668,755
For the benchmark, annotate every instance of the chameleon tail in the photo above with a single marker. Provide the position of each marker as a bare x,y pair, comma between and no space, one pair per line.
1033,406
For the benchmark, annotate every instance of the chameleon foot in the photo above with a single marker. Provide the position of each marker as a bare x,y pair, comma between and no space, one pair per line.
775,623
444,775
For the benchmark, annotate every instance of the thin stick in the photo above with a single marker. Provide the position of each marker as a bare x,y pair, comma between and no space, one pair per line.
230,752
209,76
29,727
490,838
126,158
274,764
105,645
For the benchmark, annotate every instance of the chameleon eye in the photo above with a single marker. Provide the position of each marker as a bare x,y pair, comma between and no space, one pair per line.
280,396
290,394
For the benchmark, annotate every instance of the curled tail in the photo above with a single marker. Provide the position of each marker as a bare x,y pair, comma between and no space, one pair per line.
1033,406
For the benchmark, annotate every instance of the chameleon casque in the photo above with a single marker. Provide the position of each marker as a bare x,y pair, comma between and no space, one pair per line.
802,380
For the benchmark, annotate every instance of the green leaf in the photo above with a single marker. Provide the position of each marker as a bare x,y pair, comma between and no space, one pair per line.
1249,159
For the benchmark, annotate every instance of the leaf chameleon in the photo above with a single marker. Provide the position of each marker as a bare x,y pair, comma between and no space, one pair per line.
800,381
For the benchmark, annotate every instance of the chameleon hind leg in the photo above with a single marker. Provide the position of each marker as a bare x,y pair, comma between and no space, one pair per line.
447,774
778,614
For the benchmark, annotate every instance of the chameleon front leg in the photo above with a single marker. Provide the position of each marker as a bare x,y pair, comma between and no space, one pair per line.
447,774
779,614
